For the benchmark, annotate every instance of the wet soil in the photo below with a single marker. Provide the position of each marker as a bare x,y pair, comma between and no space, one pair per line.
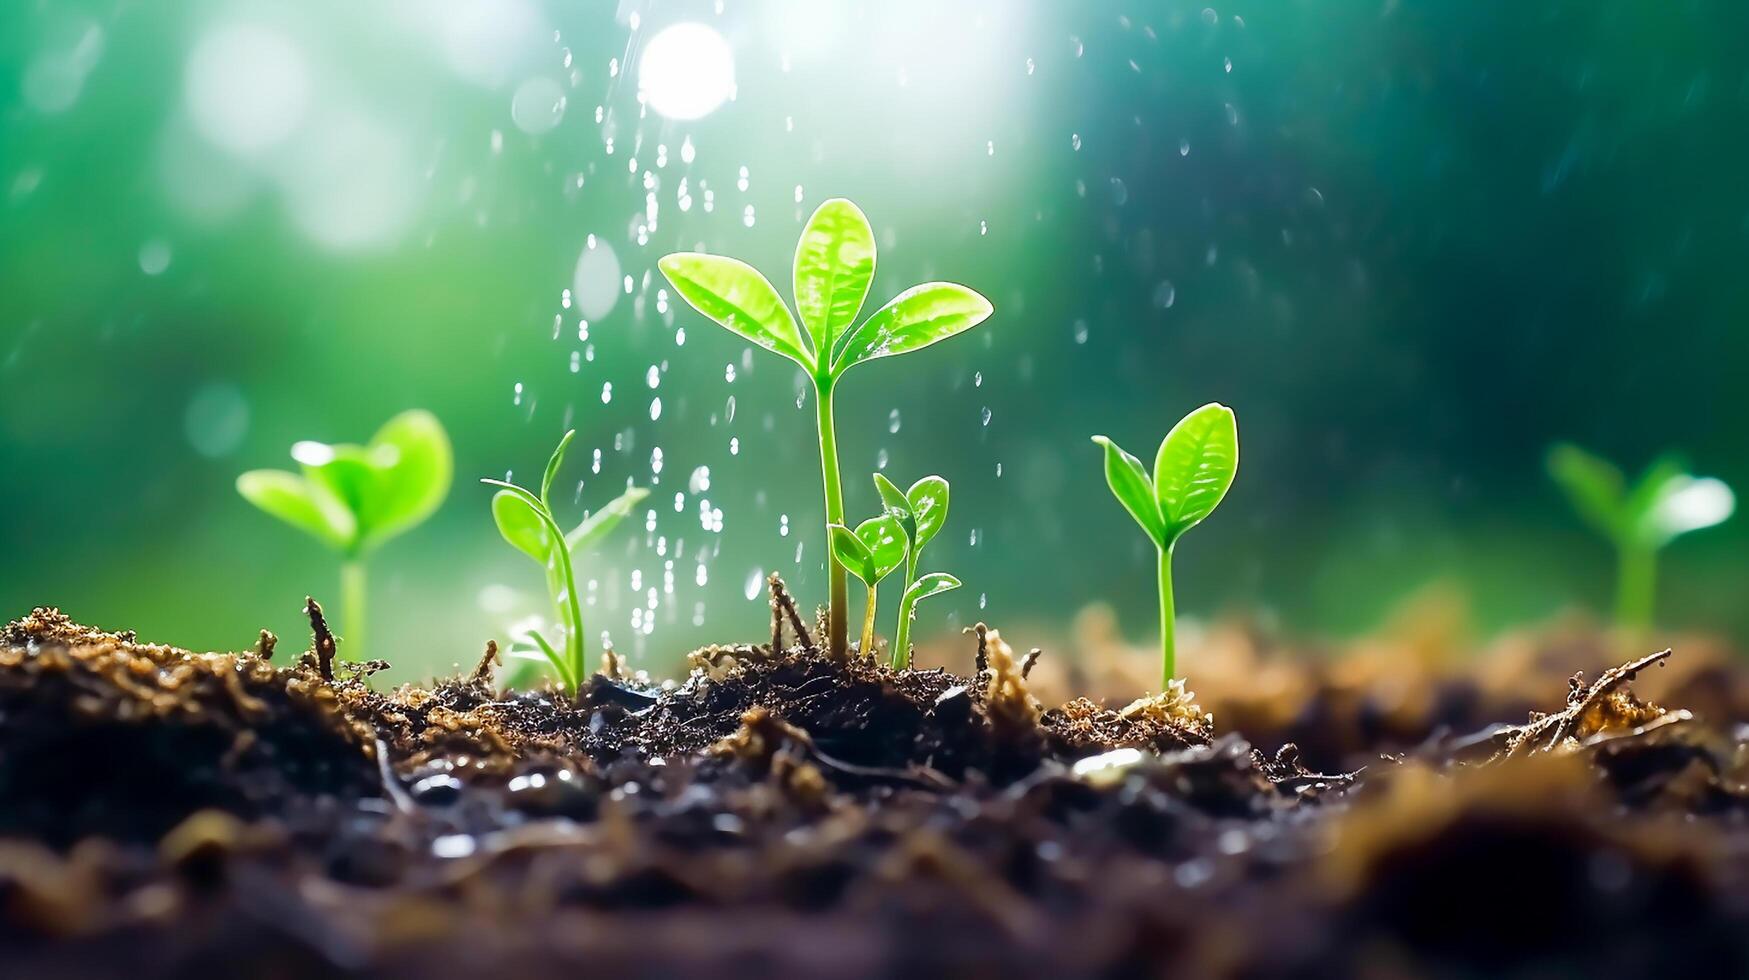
781,813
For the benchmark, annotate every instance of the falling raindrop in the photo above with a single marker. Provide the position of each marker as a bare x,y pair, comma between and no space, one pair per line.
893,421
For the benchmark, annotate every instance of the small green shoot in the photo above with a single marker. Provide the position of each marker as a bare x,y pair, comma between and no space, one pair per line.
353,498
526,521
1192,472
834,267
920,511
1639,521
870,553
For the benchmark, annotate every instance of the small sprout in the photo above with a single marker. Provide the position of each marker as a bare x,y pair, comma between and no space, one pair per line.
920,511
1192,472
526,521
834,267
1639,521
353,498
870,553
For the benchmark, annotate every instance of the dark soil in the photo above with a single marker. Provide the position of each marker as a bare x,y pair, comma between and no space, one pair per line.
780,813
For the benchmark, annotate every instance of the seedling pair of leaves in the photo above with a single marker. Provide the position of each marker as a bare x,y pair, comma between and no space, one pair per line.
1192,473
1639,521
354,498
881,544
525,520
834,268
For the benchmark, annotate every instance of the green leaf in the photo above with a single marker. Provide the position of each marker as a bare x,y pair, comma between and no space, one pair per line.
1689,503
935,583
916,318
1196,465
894,505
1593,486
734,294
414,466
554,658
835,262
928,498
852,553
521,525
554,461
1129,483
349,476
885,540
296,501
600,524
893,500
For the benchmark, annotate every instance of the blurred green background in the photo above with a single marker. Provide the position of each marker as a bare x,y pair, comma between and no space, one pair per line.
1411,243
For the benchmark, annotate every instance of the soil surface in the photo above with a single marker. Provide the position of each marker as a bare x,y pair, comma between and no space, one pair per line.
781,813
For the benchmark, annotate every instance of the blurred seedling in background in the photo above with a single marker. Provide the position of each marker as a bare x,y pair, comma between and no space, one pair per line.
834,266
1192,472
921,512
871,553
353,498
1640,520
526,521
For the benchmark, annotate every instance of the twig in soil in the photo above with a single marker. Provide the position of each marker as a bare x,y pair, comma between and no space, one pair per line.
781,603
264,646
392,787
1287,772
1026,665
483,673
1545,733
983,661
323,638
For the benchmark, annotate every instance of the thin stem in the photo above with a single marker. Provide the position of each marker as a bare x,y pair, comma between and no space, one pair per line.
352,599
1168,653
1636,583
868,623
837,629
902,637
575,646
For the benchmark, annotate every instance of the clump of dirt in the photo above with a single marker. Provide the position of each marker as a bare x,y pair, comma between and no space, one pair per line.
784,813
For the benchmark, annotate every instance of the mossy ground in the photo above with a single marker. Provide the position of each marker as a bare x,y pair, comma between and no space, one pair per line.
781,813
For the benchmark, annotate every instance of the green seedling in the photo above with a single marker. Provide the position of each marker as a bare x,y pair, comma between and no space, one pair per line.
353,498
1192,472
834,266
525,520
870,553
1640,520
920,511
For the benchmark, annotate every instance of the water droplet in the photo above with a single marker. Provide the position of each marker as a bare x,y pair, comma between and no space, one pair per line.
893,421
700,481
1184,148
653,376
606,392
977,379
783,525
1165,294
516,394
155,257
537,106
1080,331
986,415
655,409
1075,141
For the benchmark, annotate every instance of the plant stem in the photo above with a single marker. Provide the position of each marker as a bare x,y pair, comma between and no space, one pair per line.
352,606
1635,586
837,629
868,624
902,638
1168,653
575,646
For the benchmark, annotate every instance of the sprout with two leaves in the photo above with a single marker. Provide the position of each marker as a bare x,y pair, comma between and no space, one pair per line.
526,521
870,553
1192,472
1640,520
834,266
920,511
353,498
